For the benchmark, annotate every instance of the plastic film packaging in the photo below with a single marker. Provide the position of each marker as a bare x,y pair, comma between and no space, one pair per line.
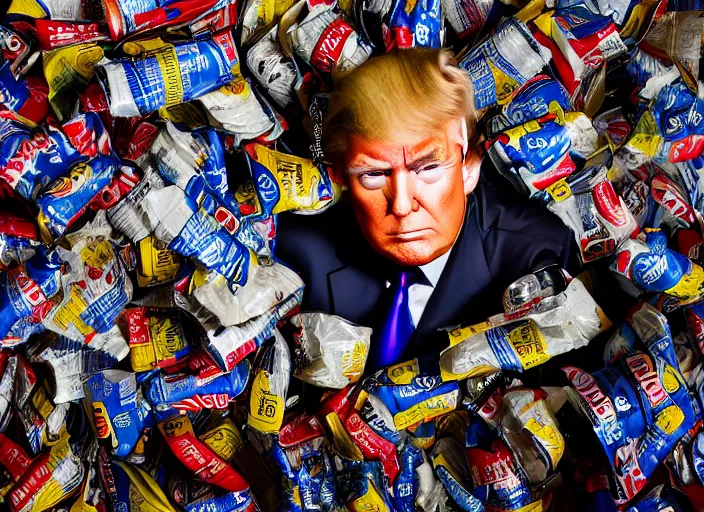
133,85
327,41
557,324
271,374
329,351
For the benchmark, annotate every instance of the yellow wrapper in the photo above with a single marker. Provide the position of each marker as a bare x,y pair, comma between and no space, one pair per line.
157,264
166,338
68,70
371,500
145,493
224,439
426,410
290,183
266,409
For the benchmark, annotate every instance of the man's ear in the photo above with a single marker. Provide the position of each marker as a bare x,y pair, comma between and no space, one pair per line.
471,161
470,171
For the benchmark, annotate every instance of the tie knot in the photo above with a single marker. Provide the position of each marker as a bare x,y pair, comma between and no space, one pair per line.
406,277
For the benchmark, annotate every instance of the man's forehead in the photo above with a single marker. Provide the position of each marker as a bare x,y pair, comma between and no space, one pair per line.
362,152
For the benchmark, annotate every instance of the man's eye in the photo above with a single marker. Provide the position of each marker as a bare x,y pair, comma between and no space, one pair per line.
429,167
374,179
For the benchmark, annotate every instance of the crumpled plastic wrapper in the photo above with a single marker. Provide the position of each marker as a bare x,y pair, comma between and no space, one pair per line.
329,352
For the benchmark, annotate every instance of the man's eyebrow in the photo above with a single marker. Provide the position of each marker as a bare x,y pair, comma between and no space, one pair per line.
372,165
434,156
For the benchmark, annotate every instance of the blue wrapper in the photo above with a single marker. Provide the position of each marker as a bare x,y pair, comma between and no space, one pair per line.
168,75
639,409
532,101
361,486
188,392
678,112
419,28
698,456
649,270
119,413
307,470
406,484
31,159
513,53
499,482
65,199
452,469
231,502
195,162
402,397
24,296
202,238
662,499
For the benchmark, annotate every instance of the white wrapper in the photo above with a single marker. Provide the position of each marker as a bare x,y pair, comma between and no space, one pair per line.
167,211
304,36
330,352
238,110
7,386
272,69
235,342
567,321
265,285
71,361
127,216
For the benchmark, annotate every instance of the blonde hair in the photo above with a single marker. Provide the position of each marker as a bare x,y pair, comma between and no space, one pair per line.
405,92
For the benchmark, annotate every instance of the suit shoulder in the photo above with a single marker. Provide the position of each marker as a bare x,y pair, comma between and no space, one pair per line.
308,240
500,208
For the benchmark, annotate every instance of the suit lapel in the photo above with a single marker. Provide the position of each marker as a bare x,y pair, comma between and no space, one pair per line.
455,298
355,294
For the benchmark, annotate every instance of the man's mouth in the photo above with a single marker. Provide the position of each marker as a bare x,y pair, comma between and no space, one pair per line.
413,234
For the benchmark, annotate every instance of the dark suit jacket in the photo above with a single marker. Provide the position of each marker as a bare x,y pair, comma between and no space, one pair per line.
504,237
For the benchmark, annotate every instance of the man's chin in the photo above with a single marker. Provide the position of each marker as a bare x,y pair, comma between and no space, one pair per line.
411,254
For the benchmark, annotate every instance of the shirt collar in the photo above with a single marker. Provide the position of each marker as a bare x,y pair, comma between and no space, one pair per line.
433,270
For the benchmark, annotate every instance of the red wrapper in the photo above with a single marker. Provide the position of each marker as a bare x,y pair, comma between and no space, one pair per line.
371,444
13,458
53,34
198,457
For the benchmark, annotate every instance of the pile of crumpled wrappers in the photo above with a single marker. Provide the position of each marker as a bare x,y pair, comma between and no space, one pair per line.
151,340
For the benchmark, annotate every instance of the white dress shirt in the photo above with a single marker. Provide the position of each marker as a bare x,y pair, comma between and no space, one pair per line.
419,293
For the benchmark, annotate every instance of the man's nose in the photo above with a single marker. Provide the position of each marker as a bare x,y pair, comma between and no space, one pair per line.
401,194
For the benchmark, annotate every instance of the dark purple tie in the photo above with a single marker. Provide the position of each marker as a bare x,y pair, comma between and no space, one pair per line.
391,339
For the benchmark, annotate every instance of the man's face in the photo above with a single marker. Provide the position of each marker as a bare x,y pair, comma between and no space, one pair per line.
409,197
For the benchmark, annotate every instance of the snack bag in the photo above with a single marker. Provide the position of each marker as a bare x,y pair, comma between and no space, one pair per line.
270,379
118,410
650,266
25,296
274,71
639,405
289,183
587,203
26,98
327,41
329,351
306,464
416,25
96,288
503,63
124,19
182,392
412,395
156,339
520,340
160,74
